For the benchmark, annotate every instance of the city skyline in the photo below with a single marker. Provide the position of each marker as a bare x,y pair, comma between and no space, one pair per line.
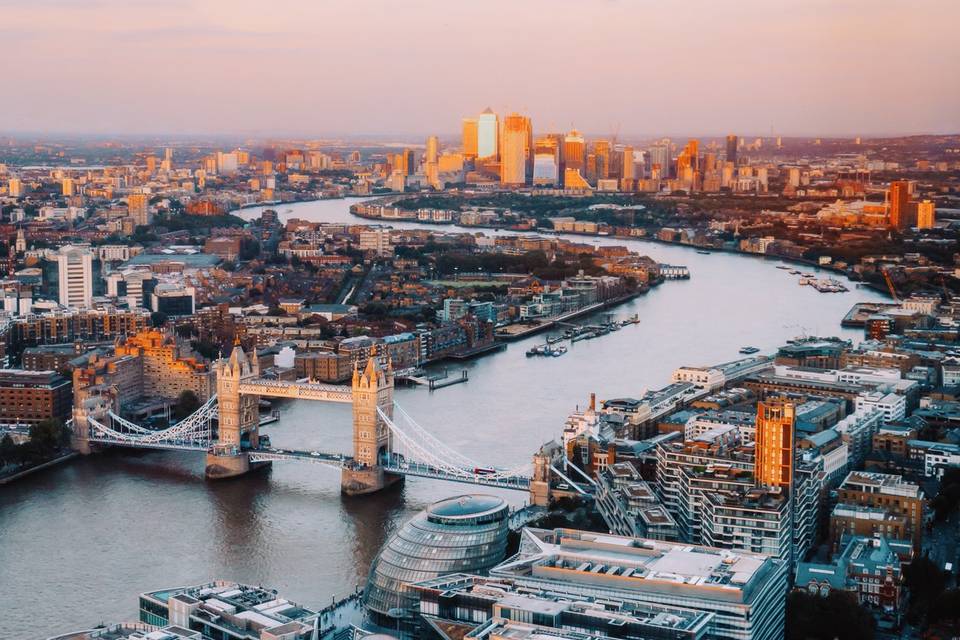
189,68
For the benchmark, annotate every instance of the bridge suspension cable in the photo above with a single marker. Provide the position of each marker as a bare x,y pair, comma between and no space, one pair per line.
193,432
425,450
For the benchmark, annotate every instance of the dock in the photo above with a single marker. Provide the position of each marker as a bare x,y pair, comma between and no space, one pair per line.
444,382
518,332
856,318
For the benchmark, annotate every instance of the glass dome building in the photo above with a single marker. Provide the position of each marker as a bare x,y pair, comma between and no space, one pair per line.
461,534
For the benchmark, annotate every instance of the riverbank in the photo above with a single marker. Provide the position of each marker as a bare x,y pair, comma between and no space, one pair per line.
799,261
22,473
526,332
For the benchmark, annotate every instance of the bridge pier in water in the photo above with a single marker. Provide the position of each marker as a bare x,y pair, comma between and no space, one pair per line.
384,452
371,389
238,417
237,396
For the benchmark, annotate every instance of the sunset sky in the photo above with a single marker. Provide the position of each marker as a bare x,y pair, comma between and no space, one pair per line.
324,68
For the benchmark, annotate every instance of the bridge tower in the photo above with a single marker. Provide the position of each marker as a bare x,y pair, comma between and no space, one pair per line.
238,420
372,388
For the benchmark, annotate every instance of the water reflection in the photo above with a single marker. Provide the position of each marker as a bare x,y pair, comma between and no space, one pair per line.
80,541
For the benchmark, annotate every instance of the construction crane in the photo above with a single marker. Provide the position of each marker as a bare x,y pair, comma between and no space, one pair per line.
889,281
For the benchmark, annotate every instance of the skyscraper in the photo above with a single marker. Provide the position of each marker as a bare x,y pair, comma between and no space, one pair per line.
513,162
469,138
898,199
488,133
732,148
66,187
660,160
433,149
75,276
430,163
775,444
574,153
627,166
602,149
546,161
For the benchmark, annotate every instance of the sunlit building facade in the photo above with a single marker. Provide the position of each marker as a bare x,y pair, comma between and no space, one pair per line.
513,155
775,444
546,161
488,134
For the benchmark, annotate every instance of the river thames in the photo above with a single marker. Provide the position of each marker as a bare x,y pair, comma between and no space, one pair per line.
79,542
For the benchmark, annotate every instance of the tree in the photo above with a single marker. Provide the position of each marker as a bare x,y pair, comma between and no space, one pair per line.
948,498
158,319
249,249
837,616
945,611
187,404
48,436
925,581
8,450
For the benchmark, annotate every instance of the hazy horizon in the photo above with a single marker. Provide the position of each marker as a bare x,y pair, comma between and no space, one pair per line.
154,68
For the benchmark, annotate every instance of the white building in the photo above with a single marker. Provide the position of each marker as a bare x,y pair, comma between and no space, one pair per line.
705,377
75,274
377,241
893,406
951,371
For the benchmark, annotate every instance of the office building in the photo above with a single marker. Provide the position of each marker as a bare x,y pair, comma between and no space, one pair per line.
488,135
461,534
513,154
742,592
602,151
574,153
775,444
628,169
75,275
470,138
433,149
732,148
926,214
502,608
131,285
173,300
30,397
15,188
546,161
660,161
227,611
67,187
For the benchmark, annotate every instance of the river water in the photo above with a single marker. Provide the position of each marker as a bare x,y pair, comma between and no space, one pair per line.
79,542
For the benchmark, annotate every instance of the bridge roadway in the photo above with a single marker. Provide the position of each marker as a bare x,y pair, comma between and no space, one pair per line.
297,390
516,483
318,457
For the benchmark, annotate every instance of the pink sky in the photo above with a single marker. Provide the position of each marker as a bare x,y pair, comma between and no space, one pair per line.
329,67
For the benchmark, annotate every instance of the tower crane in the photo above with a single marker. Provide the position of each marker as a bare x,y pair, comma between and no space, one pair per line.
889,281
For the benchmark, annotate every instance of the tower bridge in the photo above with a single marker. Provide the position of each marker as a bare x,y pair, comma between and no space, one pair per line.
388,444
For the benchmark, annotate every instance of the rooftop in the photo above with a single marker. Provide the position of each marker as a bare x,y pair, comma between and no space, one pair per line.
637,564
